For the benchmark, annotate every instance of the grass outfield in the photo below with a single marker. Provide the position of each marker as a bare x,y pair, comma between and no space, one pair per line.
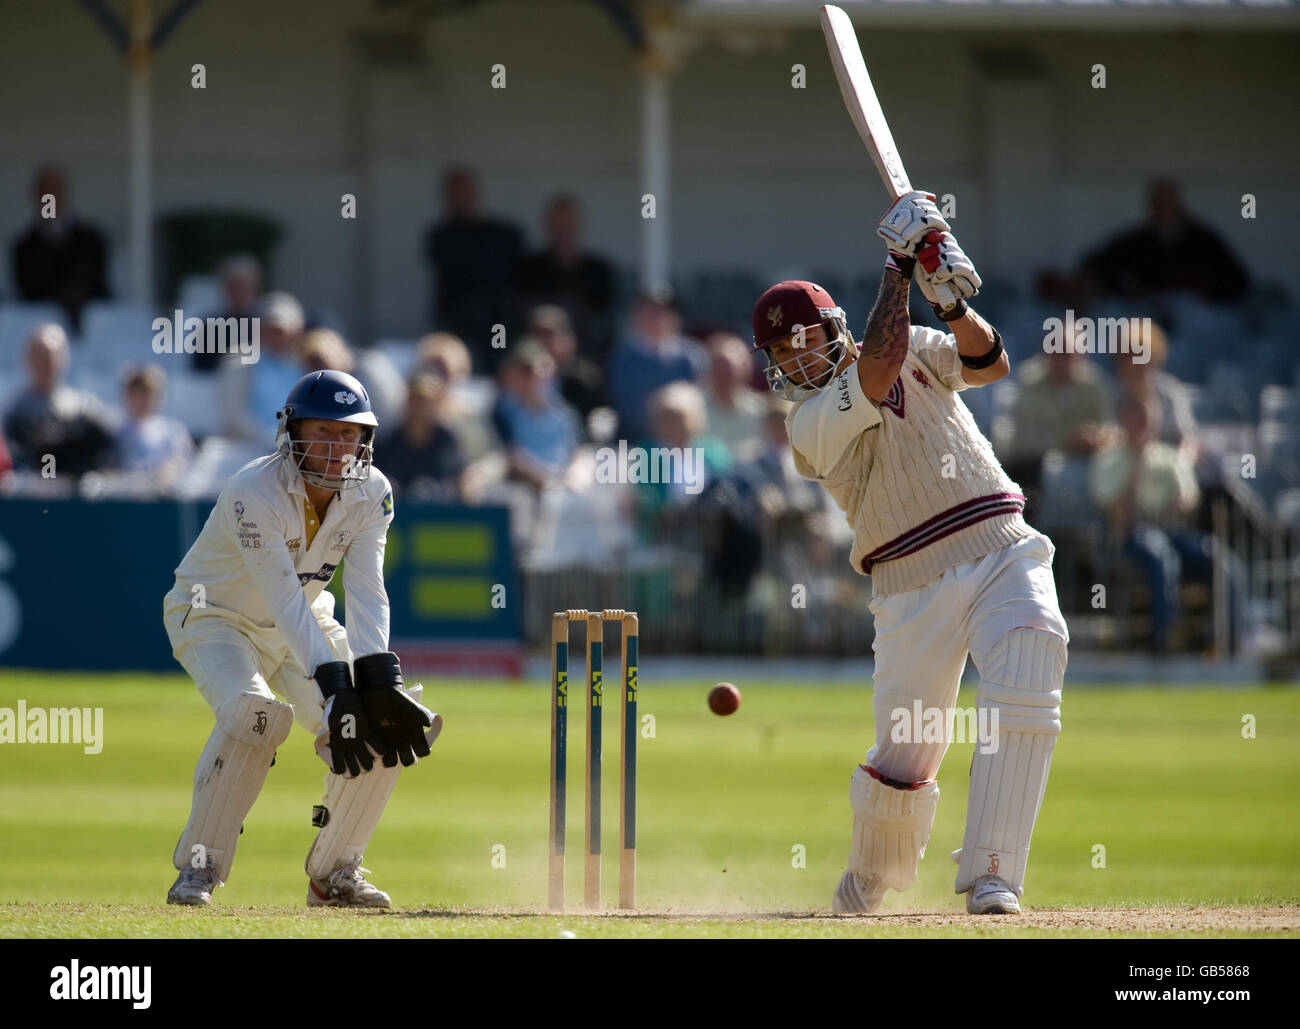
1198,824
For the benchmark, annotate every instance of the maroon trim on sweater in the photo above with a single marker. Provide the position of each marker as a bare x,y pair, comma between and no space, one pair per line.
894,783
944,524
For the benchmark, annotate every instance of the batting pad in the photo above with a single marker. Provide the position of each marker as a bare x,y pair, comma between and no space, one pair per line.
350,812
1022,684
891,827
228,778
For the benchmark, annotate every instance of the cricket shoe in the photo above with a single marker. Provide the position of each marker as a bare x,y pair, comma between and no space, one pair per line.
991,896
346,887
193,886
858,896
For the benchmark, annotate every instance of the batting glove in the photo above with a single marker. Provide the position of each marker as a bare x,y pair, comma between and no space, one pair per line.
945,275
905,224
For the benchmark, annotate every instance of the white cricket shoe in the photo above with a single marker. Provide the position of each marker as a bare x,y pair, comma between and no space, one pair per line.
991,896
858,896
346,887
193,886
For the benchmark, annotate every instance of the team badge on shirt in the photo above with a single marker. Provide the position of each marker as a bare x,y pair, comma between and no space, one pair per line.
388,502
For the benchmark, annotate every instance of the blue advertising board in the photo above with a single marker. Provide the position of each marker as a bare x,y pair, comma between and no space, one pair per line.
81,583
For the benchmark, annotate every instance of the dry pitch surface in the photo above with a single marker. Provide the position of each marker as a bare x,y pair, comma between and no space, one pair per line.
145,921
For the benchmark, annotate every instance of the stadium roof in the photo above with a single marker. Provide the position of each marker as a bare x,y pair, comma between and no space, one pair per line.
1065,14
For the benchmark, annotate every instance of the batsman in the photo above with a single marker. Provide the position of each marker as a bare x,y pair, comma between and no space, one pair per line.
250,620
955,569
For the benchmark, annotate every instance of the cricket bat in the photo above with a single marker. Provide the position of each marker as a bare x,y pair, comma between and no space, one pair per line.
860,99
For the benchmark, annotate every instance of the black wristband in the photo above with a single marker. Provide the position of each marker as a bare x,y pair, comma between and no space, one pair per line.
377,671
953,313
984,360
333,676
900,263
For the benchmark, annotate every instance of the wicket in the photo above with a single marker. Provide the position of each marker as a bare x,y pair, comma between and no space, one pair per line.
595,623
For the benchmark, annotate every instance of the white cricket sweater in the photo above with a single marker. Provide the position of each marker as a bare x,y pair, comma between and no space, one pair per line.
919,483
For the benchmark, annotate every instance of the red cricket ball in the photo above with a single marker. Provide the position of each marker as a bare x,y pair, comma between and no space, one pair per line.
724,698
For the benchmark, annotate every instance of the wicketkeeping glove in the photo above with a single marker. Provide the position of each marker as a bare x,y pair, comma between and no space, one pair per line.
345,718
398,720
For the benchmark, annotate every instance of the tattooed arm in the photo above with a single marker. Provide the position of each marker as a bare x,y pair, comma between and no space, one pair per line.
884,343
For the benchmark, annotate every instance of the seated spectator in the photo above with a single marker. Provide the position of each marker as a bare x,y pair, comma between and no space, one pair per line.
475,261
421,456
679,422
1148,492
253,393
448,357
736,409
1063,404
325,350
60,259
1149,382
579,282
1170,252
539,430
241,285
579,380
49,419
771,476
149,445
654,354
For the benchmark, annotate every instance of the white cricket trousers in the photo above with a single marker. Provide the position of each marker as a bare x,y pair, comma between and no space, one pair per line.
924,636
226,655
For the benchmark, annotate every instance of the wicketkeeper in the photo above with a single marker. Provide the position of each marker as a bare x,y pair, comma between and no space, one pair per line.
955,570
249,619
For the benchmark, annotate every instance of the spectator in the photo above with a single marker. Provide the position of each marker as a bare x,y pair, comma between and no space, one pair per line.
445,354
60,259
771,477
421,456
255,392
475,261
241,285
465,411
6,463
49,419
1170,252
579,380
155,448
654,354
679,422
540,431
1147,381
563,273
1147,489
736,409
1063,404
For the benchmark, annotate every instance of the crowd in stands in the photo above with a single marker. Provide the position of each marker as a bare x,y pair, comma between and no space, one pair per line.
474,414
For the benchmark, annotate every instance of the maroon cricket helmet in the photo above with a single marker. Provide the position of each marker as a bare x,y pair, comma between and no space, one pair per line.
788,305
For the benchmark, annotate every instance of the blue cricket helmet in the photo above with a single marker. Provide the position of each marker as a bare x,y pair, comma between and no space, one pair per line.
331,396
